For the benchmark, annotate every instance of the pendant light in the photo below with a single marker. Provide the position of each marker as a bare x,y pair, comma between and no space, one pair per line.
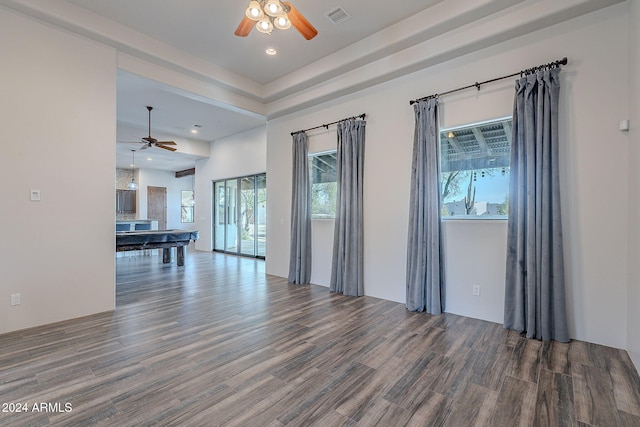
133,185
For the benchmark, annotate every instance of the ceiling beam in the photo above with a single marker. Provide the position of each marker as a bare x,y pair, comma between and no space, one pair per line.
454,143
186,172
481,141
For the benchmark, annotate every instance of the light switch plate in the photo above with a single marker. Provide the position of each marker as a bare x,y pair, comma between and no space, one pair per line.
35,195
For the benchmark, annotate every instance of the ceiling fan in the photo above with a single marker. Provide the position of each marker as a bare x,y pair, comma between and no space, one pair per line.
152,142
267,14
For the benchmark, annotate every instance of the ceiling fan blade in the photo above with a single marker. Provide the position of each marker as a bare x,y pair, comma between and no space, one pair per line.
300,23
166,142
165,147
150,140
245,27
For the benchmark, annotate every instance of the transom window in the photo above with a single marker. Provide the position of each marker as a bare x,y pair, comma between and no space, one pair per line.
474,168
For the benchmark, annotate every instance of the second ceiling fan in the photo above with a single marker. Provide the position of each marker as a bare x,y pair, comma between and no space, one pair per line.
152,142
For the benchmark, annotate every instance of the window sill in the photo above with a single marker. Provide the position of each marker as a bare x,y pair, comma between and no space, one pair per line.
475,218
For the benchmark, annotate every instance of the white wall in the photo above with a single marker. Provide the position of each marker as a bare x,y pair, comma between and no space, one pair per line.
594,163
58,111
475,252
633,300
238,155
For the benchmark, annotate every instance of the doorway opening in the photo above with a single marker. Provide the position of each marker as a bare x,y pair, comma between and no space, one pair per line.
240,216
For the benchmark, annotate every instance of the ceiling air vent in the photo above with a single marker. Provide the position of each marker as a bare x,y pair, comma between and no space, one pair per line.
337,15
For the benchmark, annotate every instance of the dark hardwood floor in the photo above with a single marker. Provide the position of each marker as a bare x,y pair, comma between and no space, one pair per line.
217,342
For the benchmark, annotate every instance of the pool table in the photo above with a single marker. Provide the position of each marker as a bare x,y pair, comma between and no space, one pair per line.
156,239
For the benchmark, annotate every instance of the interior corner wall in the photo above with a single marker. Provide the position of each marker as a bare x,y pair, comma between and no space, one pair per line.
633,300
58,109
594,180
232,157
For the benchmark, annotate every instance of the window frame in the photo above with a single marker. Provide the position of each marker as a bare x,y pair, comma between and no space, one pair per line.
185,209
310,156
488,217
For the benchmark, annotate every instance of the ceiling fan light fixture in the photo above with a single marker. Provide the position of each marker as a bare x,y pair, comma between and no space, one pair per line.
273,8
282,22
264,26
270,14
254,11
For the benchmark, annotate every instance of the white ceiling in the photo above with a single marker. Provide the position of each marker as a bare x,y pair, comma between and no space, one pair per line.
173,118
205,29
228,84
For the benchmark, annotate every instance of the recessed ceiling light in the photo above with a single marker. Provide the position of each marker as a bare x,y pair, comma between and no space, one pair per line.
194,131
149,158
271,51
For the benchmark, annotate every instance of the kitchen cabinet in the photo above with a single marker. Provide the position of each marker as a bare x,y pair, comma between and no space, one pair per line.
125,201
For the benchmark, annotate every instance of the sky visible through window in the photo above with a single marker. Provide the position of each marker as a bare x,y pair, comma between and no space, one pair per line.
493,188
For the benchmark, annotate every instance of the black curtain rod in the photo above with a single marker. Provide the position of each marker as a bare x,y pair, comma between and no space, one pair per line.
477,85
361,116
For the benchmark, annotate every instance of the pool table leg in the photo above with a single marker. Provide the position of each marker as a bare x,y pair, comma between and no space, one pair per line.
180,255
166,255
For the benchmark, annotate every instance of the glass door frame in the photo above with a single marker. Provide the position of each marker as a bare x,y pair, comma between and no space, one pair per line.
237,210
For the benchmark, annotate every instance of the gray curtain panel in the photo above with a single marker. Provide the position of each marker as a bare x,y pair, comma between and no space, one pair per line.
348,242
535,290
300,248
425,266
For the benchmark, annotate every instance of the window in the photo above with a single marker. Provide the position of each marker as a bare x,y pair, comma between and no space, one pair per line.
187,203
322,167
474,169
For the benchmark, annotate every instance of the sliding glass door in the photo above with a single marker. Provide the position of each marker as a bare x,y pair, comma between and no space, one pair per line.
239,206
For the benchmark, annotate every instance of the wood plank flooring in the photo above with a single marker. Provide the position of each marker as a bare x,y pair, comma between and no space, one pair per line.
218,342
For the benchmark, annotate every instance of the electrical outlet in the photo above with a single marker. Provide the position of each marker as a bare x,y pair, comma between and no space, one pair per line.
476,290
15,299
